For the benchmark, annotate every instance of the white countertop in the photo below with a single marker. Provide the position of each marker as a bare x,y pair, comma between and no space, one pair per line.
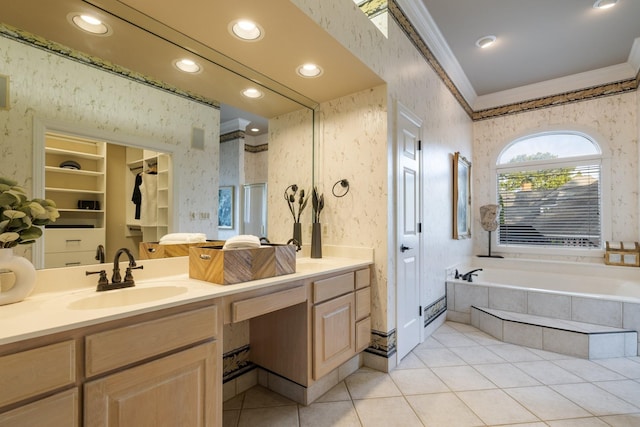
66,299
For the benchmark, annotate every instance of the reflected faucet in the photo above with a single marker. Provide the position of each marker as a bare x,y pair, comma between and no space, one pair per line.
295,242
100,254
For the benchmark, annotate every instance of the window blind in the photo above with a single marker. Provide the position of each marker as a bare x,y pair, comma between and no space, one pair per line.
554,207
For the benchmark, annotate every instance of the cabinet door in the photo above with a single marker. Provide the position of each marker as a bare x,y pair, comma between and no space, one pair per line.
333,334
178,390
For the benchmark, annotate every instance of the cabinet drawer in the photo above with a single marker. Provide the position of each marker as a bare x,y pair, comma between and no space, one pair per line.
332,287
73,239
70,259
119,347
59,410
37,371
363,303
363,278
257,306
363,334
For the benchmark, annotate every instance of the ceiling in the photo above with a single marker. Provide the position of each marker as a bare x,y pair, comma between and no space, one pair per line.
543,47
148,36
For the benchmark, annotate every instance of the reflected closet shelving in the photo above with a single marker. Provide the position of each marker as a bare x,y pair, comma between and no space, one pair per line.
75,178
155,169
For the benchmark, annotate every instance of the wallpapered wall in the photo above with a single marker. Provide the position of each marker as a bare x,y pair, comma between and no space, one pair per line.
612,121
356,136
48,86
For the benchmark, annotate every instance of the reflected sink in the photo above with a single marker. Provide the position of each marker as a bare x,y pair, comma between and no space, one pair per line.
128,296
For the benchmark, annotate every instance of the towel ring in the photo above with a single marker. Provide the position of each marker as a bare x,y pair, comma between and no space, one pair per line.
344,184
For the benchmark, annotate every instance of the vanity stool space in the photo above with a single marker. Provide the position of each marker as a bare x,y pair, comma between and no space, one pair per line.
312,343
99,375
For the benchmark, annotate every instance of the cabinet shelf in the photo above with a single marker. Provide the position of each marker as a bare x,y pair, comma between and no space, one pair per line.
72,190
72,171
71,153
97,211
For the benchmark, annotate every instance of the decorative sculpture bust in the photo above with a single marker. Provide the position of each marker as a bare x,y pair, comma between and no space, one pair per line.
488,214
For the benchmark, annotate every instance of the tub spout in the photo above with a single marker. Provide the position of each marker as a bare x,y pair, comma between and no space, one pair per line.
468,276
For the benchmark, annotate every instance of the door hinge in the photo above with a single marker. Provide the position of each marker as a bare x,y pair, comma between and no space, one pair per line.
419,227
420,311
419,144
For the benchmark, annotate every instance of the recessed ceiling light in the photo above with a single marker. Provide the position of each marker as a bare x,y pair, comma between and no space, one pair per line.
246,30
485,42
89,23
187,65
604,4
252,93
309,70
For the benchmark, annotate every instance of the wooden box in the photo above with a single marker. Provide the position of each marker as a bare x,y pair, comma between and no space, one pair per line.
154,250
212,264
622,253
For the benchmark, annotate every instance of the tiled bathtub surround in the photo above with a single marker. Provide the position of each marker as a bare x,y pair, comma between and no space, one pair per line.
615,311
578,339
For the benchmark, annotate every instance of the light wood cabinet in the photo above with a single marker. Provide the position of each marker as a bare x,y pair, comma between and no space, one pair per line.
156,369
30,373
177,390
59,410
75,179
333,334
315,334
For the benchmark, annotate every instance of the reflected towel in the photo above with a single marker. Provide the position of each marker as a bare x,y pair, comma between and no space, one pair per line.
175,238
243,241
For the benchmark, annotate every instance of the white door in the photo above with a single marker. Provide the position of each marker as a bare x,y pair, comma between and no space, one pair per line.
409,312
255,210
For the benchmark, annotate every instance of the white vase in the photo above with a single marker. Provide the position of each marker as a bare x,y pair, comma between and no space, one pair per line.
25,274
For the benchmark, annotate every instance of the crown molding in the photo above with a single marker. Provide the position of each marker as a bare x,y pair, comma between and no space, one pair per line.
575,82
426,27
233,125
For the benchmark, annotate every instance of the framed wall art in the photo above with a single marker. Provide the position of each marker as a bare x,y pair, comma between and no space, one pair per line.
461,197
225,207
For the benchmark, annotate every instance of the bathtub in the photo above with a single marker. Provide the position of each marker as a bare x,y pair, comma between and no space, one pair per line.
590,293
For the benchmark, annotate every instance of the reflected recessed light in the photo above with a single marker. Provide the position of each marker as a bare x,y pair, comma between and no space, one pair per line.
246,30
485,42
309,70
604,4
252,93
187,65
254,130
89,23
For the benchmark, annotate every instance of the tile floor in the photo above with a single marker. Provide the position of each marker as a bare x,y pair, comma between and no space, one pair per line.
461,376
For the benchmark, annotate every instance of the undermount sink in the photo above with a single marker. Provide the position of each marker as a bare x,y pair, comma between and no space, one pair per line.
127,296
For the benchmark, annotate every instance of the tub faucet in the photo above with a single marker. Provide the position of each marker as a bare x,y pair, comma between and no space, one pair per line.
468,276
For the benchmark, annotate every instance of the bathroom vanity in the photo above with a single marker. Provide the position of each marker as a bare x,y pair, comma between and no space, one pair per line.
70,356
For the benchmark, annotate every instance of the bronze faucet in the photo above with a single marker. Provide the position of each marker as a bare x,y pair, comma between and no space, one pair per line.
116,278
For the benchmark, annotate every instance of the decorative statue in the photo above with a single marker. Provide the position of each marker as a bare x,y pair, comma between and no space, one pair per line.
488,214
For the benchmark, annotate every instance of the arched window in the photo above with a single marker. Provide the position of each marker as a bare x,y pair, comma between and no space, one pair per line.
549,191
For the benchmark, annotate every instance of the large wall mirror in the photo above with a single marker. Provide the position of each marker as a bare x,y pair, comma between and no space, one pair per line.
90,113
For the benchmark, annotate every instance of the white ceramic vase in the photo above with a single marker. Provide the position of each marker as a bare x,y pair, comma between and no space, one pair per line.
25,274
